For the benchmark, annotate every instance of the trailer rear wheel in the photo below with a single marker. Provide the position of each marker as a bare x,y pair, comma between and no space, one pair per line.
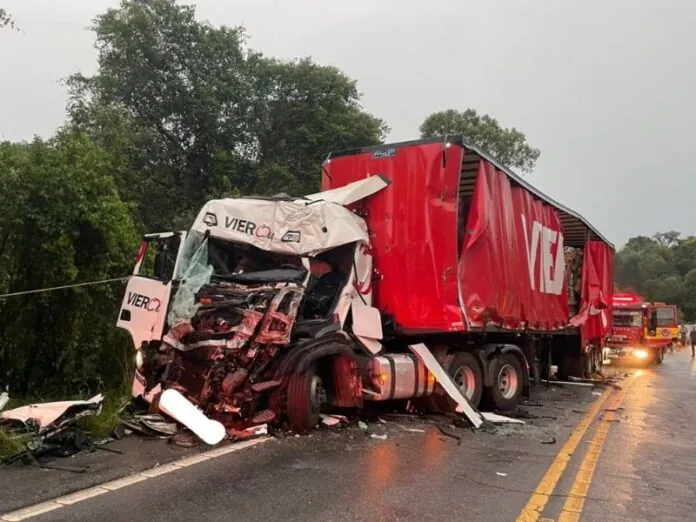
466,373
306,395
508,383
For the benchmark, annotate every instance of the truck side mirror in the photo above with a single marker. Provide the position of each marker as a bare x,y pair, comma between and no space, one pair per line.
653,320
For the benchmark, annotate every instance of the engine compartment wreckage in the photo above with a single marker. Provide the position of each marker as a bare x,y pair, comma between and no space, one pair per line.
264,315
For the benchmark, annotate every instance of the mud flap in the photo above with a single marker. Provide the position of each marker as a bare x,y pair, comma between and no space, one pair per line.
434,367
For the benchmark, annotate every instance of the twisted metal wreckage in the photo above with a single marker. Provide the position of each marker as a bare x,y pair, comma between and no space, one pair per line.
270,318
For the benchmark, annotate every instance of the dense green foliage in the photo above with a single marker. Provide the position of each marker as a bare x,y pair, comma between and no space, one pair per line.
179,111
660,268
507,145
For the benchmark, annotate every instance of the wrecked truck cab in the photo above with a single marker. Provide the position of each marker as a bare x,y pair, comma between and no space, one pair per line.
250,326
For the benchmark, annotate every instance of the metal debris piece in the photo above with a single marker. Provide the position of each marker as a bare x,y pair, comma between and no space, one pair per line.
49,428
463,405
332,420
158,424
412,430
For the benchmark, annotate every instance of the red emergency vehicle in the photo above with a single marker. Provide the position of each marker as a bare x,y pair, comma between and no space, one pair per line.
642,330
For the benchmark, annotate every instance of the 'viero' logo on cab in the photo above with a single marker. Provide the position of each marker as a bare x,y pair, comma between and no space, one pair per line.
151,304
552,271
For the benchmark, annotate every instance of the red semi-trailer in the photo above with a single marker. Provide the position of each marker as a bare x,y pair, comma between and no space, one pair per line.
419,263
469,255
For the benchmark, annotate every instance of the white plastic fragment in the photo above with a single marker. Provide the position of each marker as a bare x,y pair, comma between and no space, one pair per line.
182,410
4,399
500,419
380,437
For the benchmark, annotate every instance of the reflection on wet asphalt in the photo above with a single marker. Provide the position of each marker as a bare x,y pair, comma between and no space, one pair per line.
648,468
644,468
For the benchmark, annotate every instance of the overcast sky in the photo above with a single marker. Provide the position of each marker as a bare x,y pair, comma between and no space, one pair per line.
605,88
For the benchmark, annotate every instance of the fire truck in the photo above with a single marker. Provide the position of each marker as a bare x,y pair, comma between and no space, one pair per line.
642,330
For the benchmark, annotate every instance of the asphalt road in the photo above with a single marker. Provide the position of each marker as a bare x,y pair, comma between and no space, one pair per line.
632,463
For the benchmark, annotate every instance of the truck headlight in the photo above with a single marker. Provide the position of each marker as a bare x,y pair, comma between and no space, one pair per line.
641,354
139,360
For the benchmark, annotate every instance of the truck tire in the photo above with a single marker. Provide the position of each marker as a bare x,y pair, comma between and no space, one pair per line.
508,383
305,397
467,374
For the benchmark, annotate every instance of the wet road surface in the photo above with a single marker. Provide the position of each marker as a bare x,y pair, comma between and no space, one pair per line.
624,455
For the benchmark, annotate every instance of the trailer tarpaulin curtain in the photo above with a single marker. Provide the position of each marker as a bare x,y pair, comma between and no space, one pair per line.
594,316
509,265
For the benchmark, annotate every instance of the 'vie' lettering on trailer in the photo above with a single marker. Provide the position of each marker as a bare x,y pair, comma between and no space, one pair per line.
552,271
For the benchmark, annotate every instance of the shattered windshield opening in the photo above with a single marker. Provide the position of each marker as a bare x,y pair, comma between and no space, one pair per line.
223,258
627,318
206,260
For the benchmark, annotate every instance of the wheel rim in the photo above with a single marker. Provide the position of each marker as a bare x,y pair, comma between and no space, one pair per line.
465,379
317,393
508,381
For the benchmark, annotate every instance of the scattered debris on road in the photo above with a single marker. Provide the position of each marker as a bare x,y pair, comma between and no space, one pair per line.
49,428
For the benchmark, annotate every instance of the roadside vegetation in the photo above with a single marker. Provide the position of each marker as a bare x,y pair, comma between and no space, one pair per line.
661,268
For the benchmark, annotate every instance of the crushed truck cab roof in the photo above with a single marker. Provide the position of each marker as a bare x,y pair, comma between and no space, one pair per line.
305,226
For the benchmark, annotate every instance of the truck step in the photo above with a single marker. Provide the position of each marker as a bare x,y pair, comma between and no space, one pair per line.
263,416
263,386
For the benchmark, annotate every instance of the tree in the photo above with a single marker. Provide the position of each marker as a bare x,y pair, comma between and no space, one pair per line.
508,145
61,221
6,20
304,111
660,268
207,117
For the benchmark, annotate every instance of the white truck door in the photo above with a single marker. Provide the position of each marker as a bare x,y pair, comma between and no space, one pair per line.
146,301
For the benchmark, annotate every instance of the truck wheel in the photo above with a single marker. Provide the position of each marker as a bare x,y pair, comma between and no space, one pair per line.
306,397
508,382
466,373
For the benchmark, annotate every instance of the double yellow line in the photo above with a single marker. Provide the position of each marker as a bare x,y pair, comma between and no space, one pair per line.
572,509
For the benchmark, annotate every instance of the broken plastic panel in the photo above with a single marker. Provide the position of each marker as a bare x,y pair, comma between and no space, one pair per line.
194,272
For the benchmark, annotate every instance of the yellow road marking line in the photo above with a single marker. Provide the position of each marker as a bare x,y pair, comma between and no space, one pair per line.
535,505
572,508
